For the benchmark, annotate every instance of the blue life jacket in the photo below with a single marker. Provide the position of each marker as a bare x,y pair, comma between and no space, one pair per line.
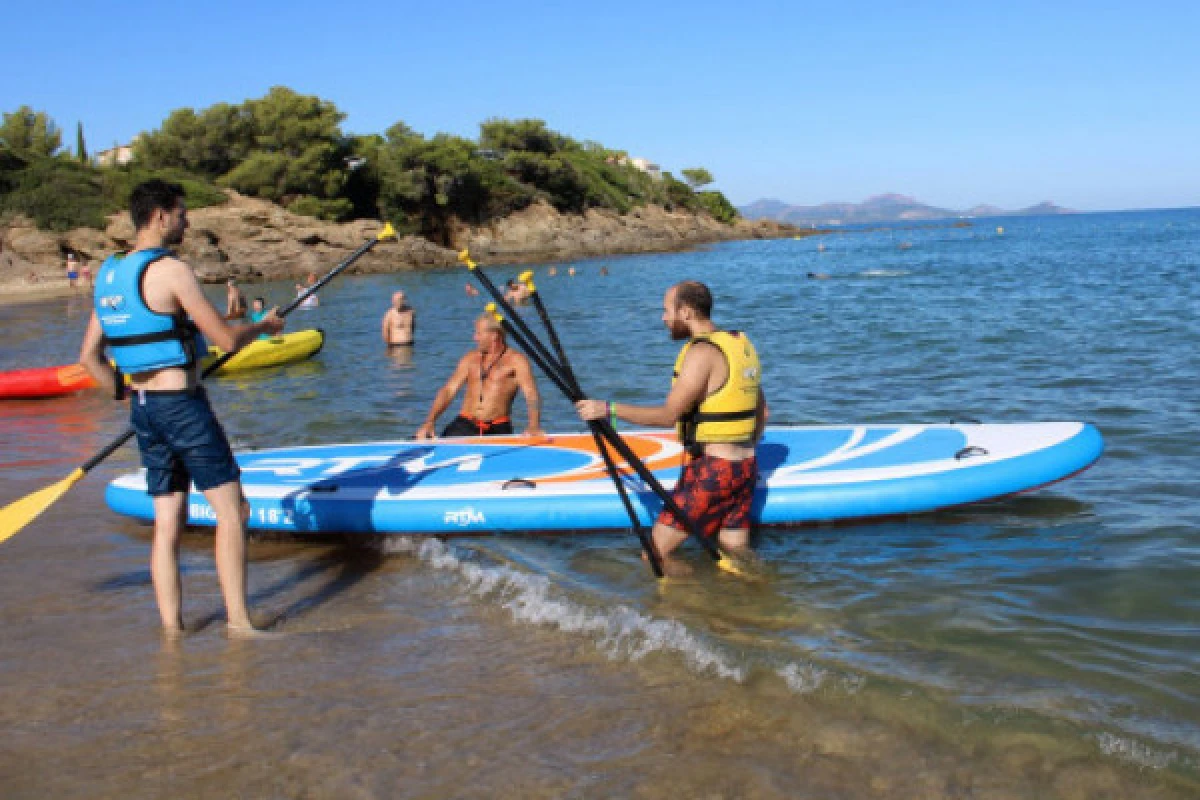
139,339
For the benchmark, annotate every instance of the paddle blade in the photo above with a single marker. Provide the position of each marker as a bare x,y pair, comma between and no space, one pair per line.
743,565
388,232
15,516
465,257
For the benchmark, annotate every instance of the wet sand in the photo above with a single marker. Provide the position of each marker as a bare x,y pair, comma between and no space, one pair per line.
22,291
389,681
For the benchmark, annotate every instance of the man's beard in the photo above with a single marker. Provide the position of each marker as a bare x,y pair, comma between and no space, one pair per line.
678,331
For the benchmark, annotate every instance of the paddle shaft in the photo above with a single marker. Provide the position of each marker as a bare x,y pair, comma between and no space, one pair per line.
117,443
601,447
535,350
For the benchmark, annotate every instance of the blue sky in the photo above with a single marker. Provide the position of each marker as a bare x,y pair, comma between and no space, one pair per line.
1091,105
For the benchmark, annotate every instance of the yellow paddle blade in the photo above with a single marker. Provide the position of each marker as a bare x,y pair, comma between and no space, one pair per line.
743,569
15,516
388,232
465,257
491,309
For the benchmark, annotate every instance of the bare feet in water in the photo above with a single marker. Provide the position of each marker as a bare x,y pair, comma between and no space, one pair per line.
671,567
251,632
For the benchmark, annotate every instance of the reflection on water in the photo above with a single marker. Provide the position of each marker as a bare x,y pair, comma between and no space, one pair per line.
401,355
1039,646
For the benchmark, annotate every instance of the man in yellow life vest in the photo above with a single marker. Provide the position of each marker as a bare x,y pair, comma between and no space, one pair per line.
717,405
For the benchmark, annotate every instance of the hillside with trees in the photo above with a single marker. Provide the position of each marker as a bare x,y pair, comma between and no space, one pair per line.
290,149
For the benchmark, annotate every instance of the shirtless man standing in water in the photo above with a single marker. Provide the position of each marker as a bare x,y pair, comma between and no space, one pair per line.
492,374
399,322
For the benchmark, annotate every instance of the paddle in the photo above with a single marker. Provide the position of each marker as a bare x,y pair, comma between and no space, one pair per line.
536,351
16,515
597,437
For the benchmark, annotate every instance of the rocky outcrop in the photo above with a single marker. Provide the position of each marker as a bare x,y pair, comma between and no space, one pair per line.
539,233
253,240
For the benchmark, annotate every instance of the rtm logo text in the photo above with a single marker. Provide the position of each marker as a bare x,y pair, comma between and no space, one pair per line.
468,516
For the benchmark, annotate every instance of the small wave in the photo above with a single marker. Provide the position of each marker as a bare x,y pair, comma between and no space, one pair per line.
807,678
1135,752
620,632
803,678
883,273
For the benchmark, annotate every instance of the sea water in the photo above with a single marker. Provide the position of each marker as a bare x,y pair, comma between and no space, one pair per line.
1042,646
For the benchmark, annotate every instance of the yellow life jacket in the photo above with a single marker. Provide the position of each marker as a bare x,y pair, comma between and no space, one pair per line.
729,413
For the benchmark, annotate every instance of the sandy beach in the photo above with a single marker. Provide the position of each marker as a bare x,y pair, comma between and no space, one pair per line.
26,292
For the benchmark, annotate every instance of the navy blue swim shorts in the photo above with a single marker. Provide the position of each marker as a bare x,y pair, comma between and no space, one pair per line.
181,441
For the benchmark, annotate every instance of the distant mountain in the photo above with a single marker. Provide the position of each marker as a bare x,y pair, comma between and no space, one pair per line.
880,208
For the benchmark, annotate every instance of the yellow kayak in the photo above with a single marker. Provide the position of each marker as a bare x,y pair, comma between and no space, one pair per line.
275,351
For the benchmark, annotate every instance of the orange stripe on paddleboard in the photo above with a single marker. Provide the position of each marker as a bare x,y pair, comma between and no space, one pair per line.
656,452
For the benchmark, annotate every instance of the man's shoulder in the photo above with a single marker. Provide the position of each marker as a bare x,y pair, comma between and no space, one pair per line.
169,265
702,349
170,273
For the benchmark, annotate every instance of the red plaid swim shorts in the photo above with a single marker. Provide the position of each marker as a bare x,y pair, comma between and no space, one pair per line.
715,494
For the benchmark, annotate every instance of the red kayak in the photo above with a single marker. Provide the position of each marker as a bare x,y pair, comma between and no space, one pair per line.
45,381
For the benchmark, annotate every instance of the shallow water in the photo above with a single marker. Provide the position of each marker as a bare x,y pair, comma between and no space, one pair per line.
1041,646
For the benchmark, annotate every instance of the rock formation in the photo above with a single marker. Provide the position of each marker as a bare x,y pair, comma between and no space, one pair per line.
255,240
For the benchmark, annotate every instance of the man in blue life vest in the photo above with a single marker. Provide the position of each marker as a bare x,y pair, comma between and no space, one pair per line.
153,318
717,405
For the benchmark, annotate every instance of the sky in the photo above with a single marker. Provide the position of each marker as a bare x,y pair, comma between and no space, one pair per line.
1093,105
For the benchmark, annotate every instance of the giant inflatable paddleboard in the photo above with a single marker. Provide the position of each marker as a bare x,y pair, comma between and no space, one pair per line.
504,484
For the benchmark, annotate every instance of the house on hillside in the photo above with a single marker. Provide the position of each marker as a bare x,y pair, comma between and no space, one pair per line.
116,156
648,167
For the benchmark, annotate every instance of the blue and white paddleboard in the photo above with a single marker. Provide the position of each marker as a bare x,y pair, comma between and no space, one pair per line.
515,484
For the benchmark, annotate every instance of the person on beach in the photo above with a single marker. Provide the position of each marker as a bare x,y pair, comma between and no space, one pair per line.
311,301
235,301
85,271
399,322
72,269
153,318
717,405
492,373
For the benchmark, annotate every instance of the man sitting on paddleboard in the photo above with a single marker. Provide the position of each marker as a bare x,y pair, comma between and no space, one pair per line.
153,318
717,405
492,374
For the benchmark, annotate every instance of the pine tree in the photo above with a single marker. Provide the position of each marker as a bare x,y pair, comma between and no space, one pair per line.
80,145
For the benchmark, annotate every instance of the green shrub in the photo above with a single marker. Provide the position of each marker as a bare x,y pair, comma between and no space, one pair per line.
718,206
57,194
